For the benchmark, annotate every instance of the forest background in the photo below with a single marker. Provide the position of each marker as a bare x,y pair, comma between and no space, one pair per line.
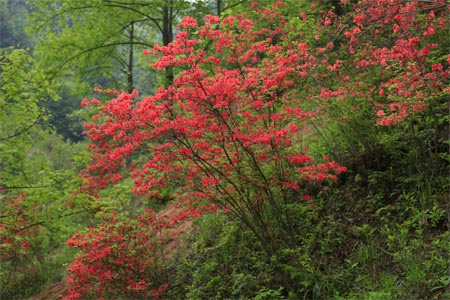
307,140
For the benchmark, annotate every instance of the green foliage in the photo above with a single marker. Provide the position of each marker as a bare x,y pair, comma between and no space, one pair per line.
35,220
224,263
23,87
267,294
37,176
393,258
351,251
13,14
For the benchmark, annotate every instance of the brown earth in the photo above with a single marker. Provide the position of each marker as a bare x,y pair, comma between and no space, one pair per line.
171,239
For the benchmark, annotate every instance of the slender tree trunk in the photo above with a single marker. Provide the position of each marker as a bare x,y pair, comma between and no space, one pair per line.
130,85
218,7
168,35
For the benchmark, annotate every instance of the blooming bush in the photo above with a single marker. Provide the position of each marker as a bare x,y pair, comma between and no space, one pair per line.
118,259
226,132
389,54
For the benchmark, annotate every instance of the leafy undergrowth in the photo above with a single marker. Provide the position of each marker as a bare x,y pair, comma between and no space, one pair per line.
351,245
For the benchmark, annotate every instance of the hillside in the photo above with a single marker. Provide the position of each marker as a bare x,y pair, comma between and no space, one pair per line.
225,150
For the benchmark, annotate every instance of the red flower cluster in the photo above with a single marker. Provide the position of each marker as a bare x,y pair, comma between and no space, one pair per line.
118,259
16,229
396,41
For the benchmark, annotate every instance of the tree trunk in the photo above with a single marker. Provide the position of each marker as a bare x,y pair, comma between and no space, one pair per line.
168,35
130,86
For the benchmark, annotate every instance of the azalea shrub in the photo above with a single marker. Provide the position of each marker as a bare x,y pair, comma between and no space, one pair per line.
392,54
119,259
18,229
26,259
384,85
226,133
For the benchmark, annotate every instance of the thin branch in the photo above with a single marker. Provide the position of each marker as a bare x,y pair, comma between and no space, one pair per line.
233,5
22,131
60,67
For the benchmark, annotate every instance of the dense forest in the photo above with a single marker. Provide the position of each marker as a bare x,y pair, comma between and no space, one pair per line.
224,149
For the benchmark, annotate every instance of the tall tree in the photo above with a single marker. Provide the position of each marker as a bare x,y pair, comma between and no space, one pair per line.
87,38
99,43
